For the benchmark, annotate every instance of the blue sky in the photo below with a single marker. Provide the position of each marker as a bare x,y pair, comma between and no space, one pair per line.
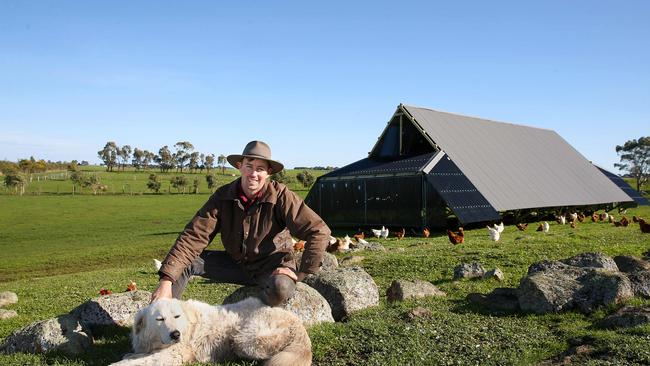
317,80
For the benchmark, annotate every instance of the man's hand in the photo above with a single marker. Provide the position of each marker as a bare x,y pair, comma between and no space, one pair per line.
287,272
164,291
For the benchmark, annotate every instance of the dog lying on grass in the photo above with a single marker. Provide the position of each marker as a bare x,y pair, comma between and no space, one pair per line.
174,332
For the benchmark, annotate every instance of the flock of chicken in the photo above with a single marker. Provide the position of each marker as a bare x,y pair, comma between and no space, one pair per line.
494,231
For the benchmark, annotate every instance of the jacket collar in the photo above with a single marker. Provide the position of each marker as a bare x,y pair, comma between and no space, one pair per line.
229,193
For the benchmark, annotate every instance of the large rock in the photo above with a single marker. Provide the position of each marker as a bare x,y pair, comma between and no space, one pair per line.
306,303
329,261
7,298
494,273
572,288
117,309
595,260
351,260
627,317
629,264
640,283
401,290
546,266
466,270
64,334
502,299
346,289
372,246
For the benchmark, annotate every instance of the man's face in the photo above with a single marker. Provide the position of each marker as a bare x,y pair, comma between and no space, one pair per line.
254,173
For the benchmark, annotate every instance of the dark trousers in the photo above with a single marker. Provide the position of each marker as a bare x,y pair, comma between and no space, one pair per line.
218,266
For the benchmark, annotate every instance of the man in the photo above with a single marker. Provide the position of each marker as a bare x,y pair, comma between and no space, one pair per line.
251,213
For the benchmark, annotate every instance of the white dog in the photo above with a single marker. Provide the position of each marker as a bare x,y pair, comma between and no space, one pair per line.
174,332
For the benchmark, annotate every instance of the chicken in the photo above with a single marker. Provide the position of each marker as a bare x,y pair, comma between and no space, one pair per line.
362,241
346,243
104,292
334,244
495,235
540,227
611,219
603,216
635,219
522,227
573,216
624,221
376,232
595,217
499,227
426,232
299,246
131,287
157,264
359,235
400,234
456,238
561,219
644,226
622,210
546,226
384,232
581,217
573,225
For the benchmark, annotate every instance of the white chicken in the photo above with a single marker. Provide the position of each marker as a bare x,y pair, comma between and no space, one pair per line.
384,232
346,243
545,226
495,234
362,241
157,264
561,220
499,227
376,232
573,216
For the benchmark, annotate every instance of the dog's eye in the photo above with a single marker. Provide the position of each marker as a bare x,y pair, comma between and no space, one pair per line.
160,318
176,316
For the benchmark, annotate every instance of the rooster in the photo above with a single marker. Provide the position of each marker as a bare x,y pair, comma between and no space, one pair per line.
456,238
644,226
522,227
384,232
495,235
426,232
400,234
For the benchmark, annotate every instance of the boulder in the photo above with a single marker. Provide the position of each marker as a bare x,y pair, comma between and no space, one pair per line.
596,260
401,290
7,298
640,283
629,264
346,290
117,309
500,299
329,261
418,313
494,273
64,334
351,260
372,246
7,314
465,270
546,266
572,288
306,303
627,317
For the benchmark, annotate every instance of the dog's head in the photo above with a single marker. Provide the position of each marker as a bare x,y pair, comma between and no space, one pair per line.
160,325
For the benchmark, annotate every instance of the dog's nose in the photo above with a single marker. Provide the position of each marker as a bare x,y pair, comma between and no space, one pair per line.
175,335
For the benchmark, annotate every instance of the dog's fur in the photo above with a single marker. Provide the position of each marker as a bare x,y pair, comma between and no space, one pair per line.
173,332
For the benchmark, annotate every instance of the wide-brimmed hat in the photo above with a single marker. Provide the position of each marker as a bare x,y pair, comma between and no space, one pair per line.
256,150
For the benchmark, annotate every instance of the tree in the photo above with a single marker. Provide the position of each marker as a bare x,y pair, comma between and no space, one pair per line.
124,153
138,158
165,159
222,163
16,180
202,160
179,182
282,177
195,185
153,183
109,155
182,154
147,158
209,162
212,181
194,161
635,159
306,178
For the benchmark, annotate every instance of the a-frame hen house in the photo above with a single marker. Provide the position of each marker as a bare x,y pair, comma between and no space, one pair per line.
428,166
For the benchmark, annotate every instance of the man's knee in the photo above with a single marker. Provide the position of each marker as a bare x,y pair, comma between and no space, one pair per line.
278,290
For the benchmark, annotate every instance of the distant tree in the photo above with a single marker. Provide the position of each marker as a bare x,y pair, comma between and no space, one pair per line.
182,154
179,182
15,180
138,158
202,162
147,159
153,183
195,185
306,178
222,163
211,180
635,159
194,161
124,153
7,167
282,177
109,155
25,165
209,162
165,159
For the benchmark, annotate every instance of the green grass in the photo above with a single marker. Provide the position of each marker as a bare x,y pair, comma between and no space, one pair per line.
60,250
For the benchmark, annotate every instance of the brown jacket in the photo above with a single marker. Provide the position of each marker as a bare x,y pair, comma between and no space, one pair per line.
248,236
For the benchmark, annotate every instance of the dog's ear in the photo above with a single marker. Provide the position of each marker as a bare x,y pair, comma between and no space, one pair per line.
138,334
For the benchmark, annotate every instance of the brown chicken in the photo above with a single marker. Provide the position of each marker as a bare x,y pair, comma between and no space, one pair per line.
131,287
624,221
334,245
595,217
360,235
456,238
581,217
299,246
573,224
644,226
522,227
635,219
400,234
426,232
540,227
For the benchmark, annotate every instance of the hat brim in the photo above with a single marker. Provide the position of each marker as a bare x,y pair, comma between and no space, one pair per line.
233,159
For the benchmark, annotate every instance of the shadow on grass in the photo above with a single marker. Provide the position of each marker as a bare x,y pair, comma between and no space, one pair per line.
109,348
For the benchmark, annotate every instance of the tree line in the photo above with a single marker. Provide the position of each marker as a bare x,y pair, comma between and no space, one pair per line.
183,156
